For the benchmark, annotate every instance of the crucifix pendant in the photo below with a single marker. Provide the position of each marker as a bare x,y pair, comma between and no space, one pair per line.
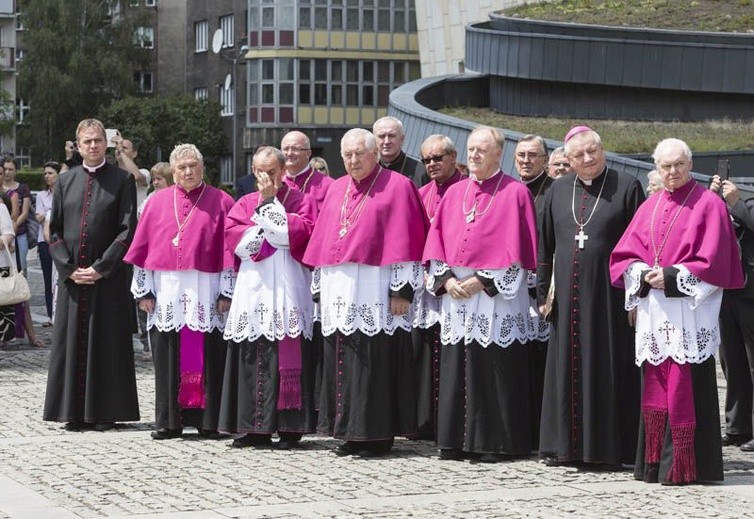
470,216
581,238
174,241
343,231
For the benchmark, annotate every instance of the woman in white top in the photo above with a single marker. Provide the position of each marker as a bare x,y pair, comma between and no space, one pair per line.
43,205
7,313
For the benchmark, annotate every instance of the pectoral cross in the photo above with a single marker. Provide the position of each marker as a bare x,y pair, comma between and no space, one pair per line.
470,216
581,238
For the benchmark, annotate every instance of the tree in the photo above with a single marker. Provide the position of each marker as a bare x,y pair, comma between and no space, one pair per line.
79,56
157,124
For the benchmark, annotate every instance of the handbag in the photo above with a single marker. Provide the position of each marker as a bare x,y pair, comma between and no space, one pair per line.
14,288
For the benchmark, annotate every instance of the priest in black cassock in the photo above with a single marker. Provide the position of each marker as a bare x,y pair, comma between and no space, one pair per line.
531,164
91,381
590,406
389,134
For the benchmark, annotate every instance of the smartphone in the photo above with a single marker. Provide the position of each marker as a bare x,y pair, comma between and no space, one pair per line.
723,169
110,133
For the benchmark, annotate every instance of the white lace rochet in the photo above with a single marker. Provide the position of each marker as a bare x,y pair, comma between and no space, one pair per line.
183,297
271,297
684,329
499,320
357,297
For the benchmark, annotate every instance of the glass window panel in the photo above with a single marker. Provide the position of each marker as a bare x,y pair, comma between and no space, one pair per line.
399,20
368,20
304,94
336,2
367,75
253,66
383,72
304,18
320,70
352,70
254,18
354,3
268,69
383,95
304,69
368,3
320,2
286,93
383,3
352,95
286,17
368,95
383,20
414,70
399,72
412,21
352,19
320,17
336,21
320,94
268,17
253,94
336,70
336,95
286,69
268,94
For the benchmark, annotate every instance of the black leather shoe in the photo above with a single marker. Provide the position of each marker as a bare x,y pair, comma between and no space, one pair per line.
75,426
103,426
451,454
166,434
258,441
286,445
347,449
748,446
552,461
490,458
209,434
735,439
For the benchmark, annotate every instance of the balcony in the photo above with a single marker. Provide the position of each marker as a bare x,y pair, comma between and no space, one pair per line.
7,58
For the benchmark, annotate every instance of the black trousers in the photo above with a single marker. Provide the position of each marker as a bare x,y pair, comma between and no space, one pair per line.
737,360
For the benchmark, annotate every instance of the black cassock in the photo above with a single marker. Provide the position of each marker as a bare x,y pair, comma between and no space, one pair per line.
591,396
91,375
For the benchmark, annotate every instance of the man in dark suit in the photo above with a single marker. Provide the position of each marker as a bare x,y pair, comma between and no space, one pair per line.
737,327
245,185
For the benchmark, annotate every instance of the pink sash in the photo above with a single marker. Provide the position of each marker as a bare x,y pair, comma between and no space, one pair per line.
191,388
289,368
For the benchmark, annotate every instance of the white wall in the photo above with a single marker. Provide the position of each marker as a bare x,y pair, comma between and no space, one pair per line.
440,27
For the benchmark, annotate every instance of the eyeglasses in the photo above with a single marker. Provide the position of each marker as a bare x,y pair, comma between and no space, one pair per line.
528,155
295,149
434,158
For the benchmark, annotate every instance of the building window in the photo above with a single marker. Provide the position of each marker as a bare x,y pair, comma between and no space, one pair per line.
226,100
226,170
201,31
144,37
20,22
201,93
150,3
22,111
19,54
143,80
226,24
134,3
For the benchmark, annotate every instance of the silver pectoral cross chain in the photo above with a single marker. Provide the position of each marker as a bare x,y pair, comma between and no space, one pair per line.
581,238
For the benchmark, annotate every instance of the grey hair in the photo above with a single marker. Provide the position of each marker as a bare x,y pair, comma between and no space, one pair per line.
184,150
388,119
446,142
560,150
496,135
269,151
591,133
666,145
369,139
535,138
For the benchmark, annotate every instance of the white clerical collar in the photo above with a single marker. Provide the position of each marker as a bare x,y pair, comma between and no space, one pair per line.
299,173
527,182
91,169
473,177
589,182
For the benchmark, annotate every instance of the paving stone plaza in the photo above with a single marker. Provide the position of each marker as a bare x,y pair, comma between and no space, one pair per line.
47,472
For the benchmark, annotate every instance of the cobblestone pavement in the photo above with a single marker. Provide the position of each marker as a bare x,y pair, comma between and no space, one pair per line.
47,472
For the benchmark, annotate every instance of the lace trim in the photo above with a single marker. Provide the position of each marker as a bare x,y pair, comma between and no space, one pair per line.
227,283
273,323
692,286
437,269
273,220
316,278
407,272
507,281
665,340
168,318
255,242
141,283
632,282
